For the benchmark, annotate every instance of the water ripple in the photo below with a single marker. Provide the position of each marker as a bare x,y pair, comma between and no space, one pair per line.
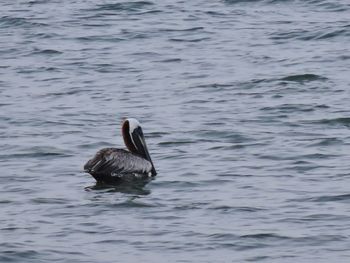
303,78
244,107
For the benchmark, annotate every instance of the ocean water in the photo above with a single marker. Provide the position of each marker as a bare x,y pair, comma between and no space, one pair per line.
245,109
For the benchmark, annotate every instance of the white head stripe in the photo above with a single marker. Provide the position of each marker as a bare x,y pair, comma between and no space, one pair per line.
133,124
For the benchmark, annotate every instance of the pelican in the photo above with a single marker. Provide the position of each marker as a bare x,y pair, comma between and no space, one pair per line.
112,165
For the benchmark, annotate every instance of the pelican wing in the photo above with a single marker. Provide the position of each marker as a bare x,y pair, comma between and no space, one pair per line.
112,161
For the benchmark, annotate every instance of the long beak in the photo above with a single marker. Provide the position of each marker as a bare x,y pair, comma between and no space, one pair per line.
140,144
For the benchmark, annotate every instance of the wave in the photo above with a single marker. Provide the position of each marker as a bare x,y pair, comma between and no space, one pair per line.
303,78
9,21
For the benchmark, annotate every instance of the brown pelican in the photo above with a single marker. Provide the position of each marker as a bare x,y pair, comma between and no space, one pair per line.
112,165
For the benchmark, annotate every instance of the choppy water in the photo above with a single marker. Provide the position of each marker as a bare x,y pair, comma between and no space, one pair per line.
245,107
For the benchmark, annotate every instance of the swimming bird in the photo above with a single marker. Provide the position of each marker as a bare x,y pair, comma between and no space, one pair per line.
113,166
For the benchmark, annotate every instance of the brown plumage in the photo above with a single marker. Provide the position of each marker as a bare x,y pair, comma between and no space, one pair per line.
112,165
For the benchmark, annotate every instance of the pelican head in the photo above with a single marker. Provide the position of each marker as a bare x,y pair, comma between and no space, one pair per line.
135,141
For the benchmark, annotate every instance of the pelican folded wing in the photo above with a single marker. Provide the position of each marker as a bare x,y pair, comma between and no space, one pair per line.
112,161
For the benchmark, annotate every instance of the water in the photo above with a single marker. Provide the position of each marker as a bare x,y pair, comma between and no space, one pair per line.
245,109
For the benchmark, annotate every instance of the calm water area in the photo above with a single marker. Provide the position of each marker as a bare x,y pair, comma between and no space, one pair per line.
245,110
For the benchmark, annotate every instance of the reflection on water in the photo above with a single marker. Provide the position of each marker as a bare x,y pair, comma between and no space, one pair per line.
135,188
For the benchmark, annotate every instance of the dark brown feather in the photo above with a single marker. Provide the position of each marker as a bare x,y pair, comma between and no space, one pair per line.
113,162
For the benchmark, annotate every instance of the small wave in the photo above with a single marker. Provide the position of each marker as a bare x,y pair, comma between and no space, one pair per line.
225,136
335,33
179,142
215,13
6,201
46,35
345,121
60,252
126,6
72,91
111,241
100,39
17,255
260,258
35,2
323,217
272,237
307,35
214,87
264,236
303,78
247,241
7,21
316,156
170,60
156,134
43,200
331,198
290,108
230,147
332,6
327,142
46,52
182,30
37,152
131,204
296,34
225,208
94,145
180,185
5,104
240,1
230,174
189,40
32,155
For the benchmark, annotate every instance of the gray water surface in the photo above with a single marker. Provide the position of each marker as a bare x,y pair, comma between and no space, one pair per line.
245,108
